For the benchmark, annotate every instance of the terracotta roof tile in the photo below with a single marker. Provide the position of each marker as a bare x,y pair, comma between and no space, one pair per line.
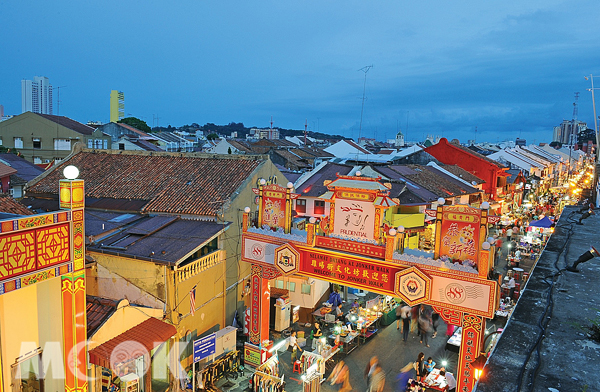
6,170
462,173
171,183
149,334
11,206
98,310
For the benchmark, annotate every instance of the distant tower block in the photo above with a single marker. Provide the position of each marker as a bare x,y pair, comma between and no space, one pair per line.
117,106
399,139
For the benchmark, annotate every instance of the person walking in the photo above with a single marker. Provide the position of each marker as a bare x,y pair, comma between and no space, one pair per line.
406,318
340,376
398,316
414,324
377,381
424,324
370,369
509,234
435,318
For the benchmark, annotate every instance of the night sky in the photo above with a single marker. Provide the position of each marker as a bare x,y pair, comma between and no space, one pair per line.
506,68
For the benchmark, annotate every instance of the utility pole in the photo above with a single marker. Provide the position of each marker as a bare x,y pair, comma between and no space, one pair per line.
365,70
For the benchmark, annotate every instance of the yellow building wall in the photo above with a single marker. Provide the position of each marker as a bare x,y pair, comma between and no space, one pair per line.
33,314
146,275
116,105
123,319
237,269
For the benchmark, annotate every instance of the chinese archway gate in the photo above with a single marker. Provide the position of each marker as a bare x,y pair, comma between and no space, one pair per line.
354,249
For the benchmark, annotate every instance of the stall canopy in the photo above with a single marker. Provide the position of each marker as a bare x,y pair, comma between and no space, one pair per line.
149,334
544,222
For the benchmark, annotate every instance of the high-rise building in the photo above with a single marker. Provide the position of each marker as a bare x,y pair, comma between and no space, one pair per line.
36,95
567,131
117,105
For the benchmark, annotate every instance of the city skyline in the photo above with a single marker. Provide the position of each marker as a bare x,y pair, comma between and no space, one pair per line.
467,71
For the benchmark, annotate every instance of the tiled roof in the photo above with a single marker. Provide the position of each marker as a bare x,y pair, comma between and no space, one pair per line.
98,310
134,130
462,173
170,182
293,161
241,145
146,145
149,334
6,170
313,186
307,152
25,169
69,123
11,206
353,144
478,155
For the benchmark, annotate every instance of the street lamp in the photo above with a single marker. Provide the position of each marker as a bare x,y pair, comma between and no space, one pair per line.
591,79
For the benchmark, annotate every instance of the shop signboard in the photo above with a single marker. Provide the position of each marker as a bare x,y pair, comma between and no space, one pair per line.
460,233
204,347
258,251
347,270
251,355
273,206
470,295
354,216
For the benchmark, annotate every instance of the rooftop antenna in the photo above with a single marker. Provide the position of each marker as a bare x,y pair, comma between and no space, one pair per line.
58,98
365,70
305,130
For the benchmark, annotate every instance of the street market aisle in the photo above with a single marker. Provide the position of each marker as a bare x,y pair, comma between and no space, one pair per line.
392,352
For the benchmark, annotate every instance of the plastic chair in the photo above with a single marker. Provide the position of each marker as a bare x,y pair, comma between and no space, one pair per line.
297,367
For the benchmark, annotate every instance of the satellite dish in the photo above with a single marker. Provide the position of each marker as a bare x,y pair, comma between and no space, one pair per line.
473,183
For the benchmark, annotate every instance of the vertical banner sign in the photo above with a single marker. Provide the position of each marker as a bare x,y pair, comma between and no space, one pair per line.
460,233
470,347
354,216
273,206
68,332
79,300
255,285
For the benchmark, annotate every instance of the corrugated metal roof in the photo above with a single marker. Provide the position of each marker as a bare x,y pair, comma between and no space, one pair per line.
150,334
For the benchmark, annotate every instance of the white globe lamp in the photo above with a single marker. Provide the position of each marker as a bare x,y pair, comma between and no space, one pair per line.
71,172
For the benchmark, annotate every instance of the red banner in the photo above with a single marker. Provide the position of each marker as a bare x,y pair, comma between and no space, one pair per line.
349,270
460,233
351,246
273,205
470,348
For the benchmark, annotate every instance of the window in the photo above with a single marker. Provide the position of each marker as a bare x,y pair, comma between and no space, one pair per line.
121,146
319,207
90,143
18,142
291,287
37,143
301,206
279,284
62,144
0,141
105,144
305,288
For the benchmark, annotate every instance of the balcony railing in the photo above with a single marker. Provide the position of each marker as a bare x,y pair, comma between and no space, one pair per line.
199,265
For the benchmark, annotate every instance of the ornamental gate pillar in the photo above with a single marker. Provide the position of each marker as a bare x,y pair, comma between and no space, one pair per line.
473,328
73,293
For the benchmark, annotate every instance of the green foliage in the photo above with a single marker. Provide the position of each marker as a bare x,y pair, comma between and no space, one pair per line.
228,150
593,329
136,123
212,136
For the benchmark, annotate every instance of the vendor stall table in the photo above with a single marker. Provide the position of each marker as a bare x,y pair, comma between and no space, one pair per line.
453,343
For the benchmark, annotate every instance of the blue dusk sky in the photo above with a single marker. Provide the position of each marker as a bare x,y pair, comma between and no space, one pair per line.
507,68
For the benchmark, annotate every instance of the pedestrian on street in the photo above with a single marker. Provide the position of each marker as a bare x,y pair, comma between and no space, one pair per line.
340,376
377,381
370,369
398,316
424,325
435,317
406,318
509,234
414,324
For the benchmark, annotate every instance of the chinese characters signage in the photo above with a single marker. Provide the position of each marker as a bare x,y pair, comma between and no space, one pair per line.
354,219
348,270
273,205
470,349
460,233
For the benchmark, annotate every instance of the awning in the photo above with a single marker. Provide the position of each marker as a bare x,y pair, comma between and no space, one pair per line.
132,343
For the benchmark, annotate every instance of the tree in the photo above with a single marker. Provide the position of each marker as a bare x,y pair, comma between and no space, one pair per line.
136,123
212,136
228,150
